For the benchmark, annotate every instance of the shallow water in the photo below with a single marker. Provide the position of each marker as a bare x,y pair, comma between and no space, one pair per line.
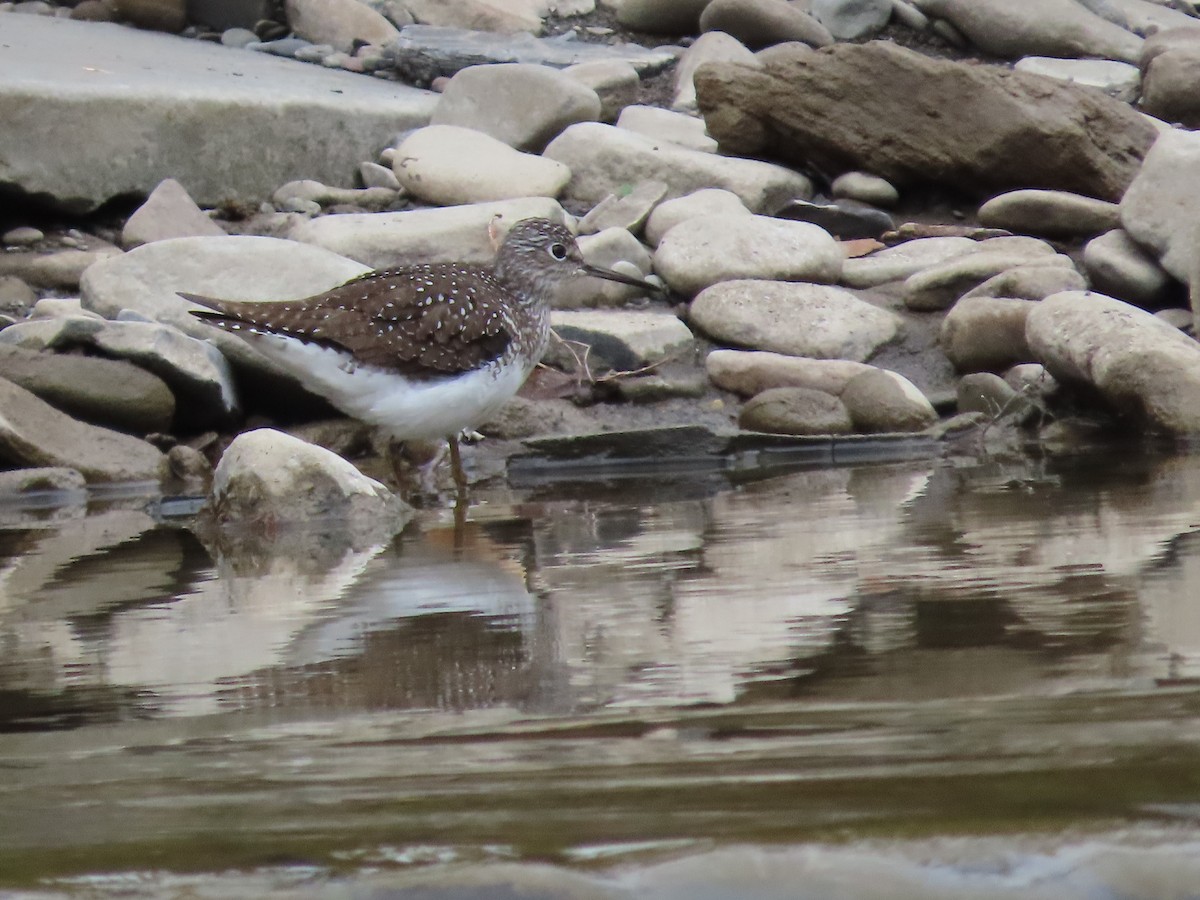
946,678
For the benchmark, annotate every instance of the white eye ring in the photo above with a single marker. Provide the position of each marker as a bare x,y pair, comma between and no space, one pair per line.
558,251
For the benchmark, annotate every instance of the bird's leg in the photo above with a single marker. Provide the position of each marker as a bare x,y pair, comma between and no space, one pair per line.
456,467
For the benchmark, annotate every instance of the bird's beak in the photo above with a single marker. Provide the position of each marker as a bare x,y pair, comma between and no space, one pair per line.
610,275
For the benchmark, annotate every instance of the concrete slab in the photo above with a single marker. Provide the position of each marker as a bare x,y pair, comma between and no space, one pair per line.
92,111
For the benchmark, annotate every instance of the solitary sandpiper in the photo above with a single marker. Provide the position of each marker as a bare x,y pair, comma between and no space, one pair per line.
421,351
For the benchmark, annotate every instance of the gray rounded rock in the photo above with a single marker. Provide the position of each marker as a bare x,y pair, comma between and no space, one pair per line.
1120,268
495,99
1056,214
1141,365
266,476
705,250
800,319
749,372
865,188
795,410
712,46
880,401
849,20
986,334
707,202
661,16
759,23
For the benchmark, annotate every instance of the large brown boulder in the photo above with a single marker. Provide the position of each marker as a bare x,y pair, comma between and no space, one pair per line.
911,119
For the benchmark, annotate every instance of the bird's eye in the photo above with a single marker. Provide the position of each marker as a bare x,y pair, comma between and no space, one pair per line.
558,251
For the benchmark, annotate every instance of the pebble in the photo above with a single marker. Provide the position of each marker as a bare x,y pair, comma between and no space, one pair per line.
603,158
1117,266
988,393
267,477
881,401
339,23
446,234
15,295
748,372
1054,214
616,83
448,165
865,188
628,210
108,392
1157,210
986,334
22,482
22,236
625,340
195,370
1029,283
1011,29
705,202
1117,79
795,410
494,99
665,125
939,286
34,433
661,16
847,219
238,38
712,46
374,175
168,212
800,319
759,23
849,20
705,250
1143,366
62,269
899,262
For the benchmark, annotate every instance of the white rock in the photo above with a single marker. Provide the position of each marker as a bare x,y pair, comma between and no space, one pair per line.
449,234
749,372
800,319
706,202
1117,79
266,476
702,251
145,280
339,23
495,99
1029,283
1011,29
851,19
865,188
628,210
665,125
168,212
449,166
712,46
602,158
615,82
1158,209
1143,366
1120,268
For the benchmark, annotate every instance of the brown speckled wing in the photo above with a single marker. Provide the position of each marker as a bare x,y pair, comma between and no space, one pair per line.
424,320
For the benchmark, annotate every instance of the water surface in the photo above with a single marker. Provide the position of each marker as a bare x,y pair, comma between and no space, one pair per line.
945,667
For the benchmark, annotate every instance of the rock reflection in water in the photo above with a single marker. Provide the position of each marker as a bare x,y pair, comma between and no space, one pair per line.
888,581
